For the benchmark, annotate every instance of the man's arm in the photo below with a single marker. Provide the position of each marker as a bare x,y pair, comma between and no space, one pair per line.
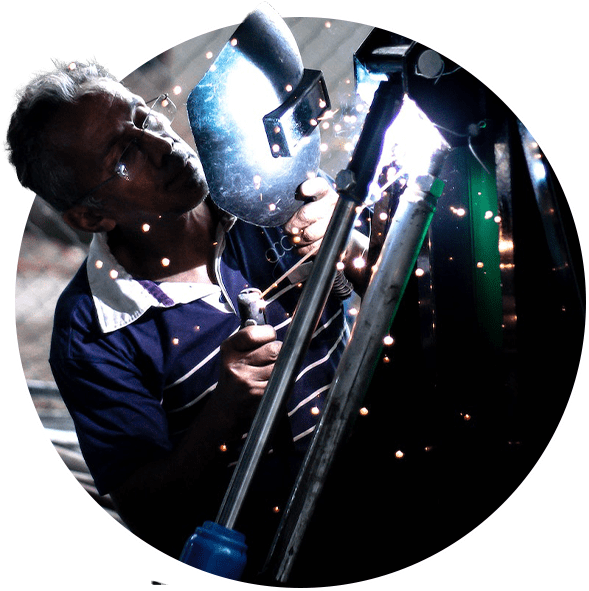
163,501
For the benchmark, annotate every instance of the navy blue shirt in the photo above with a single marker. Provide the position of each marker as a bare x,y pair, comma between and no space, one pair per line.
135,363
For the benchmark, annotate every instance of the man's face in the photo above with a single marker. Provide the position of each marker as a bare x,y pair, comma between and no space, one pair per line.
92,134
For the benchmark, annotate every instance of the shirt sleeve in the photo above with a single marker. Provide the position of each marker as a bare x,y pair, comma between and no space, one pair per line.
113,393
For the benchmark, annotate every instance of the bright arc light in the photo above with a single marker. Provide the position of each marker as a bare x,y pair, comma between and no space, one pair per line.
409,144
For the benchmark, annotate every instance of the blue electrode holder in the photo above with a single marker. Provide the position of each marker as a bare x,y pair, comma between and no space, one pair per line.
216,549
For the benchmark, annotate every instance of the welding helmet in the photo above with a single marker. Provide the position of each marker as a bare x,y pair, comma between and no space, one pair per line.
254,120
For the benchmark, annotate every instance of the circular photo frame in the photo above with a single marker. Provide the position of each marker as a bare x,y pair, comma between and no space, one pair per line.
480,357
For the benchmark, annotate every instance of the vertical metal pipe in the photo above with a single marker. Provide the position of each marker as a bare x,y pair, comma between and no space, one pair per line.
353,190
294,347
379,306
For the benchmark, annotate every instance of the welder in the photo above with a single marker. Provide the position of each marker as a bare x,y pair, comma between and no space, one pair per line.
148,350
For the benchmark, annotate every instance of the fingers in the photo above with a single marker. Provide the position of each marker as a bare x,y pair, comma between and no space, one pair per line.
313,189
264,356
252,337
309,234
307,226
253,345
322,199
247,360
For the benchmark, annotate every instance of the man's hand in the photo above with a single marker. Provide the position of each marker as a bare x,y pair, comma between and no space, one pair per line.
159,500
307,226
247,360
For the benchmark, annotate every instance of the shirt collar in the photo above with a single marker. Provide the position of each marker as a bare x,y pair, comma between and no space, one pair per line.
120,299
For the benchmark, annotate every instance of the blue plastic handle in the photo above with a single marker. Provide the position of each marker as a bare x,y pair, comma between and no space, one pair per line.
216,549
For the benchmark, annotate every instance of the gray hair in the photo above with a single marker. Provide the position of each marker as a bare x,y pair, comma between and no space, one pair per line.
37,166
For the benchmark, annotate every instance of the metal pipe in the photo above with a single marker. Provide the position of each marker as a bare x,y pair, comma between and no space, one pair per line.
294,347
379,306
352,186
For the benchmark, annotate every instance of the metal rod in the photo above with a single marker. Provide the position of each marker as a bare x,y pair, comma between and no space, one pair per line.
294,347
379,306
352,187
286,274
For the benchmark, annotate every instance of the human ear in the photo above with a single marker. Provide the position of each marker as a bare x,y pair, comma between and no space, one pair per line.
88,219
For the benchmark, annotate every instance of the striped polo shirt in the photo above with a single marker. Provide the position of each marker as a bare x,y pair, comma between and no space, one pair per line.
135,360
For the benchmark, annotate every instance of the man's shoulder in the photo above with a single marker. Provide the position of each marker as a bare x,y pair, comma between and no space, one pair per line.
75,302
76,331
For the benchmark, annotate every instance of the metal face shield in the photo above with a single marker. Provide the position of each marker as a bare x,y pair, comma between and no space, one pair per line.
254,120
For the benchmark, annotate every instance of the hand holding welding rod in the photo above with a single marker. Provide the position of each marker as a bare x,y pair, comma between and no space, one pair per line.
313,220
252,308
308,224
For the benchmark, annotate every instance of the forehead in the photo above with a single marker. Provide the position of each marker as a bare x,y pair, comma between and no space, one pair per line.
101,108
108,90
104,99
81,136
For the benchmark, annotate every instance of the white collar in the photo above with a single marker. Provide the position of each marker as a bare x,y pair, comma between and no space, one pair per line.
120,299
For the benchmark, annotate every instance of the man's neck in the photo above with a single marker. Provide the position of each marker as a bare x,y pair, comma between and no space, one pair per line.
170,248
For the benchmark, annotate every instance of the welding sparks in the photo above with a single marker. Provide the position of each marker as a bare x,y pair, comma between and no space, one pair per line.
359,263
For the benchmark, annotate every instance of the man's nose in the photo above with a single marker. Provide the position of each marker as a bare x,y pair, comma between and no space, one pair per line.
156,146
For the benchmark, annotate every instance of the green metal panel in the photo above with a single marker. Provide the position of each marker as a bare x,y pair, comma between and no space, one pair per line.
485,249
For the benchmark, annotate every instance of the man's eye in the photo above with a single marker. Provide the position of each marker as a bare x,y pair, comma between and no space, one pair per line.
122,170
142,119
126,160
